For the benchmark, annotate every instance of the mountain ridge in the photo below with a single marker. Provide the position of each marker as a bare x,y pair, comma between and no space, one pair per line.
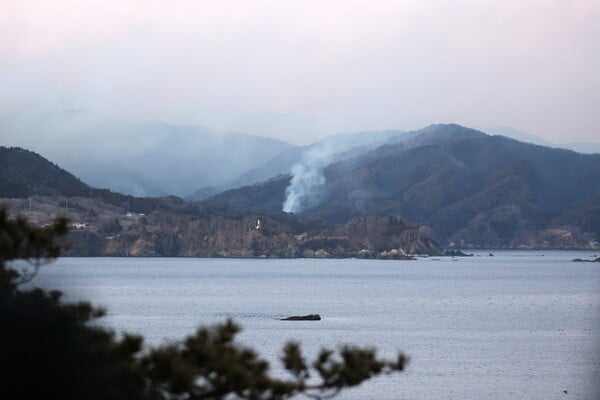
463,187
460,182
105,223
336,147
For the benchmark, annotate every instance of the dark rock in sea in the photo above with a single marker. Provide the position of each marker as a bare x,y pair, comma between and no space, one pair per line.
581,260
309,317
456,253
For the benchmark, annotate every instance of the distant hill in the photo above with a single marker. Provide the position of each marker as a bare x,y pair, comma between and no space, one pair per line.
331,149
113,224
270,194
470,188
24,173
147,158
458,185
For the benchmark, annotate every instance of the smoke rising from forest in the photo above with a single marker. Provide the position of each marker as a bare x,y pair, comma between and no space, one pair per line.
307,178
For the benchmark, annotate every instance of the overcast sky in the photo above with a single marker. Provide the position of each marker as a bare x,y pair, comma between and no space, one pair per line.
300,70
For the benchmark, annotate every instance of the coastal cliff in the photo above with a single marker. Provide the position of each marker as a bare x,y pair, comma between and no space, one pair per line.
99,228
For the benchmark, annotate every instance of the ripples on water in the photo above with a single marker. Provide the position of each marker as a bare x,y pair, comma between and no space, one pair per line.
520,325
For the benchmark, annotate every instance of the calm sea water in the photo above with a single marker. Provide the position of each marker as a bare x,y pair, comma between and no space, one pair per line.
519,325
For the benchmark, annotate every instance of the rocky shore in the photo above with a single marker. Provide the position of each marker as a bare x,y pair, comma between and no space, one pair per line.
102,229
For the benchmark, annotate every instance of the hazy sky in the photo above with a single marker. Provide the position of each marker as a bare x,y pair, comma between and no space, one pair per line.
300,70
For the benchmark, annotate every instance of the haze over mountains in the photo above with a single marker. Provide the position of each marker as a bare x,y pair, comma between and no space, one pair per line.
331,149
113,224
464,187
470,188
149,158
139,158
580,147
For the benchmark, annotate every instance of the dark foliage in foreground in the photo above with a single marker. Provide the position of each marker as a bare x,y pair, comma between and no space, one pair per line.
53,350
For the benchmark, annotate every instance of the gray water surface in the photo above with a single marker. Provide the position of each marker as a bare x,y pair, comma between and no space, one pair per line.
519,325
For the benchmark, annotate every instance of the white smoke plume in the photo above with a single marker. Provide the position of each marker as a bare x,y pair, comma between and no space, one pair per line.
307,177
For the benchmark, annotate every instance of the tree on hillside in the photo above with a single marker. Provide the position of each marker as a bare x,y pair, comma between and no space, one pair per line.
52,349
